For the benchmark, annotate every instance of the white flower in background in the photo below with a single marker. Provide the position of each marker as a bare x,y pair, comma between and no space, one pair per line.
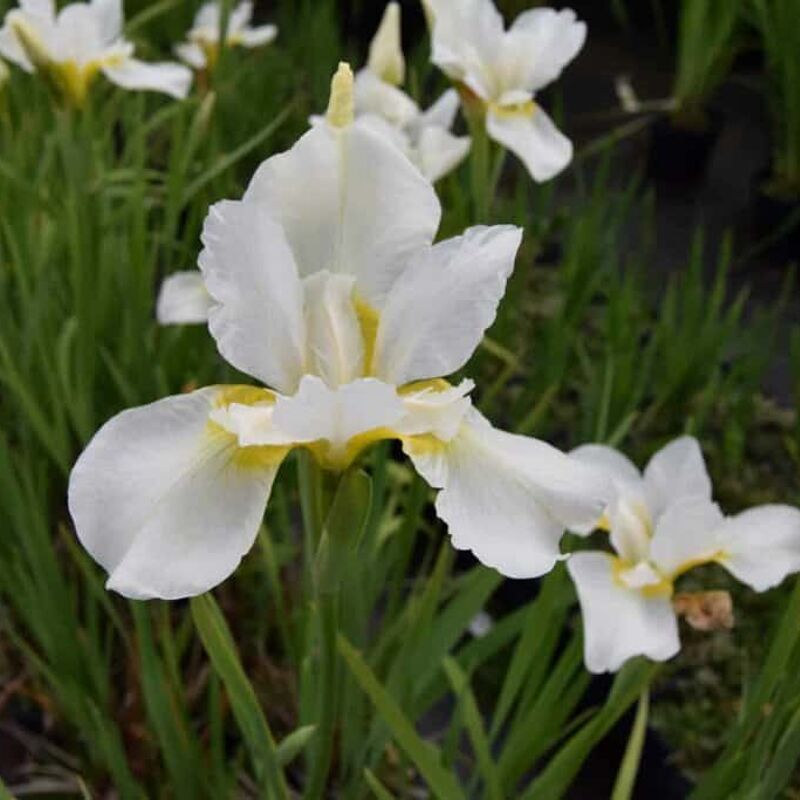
203,39
71,47
499,71
338,300
662,524
424,137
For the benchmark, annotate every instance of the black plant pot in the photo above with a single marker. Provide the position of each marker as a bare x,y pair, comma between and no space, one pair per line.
679,154
775,223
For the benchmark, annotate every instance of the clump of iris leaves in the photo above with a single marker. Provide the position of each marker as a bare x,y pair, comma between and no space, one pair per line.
207,699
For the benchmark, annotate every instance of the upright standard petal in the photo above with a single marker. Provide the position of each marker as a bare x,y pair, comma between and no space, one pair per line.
467,37
109,19
437,312
620,623
374,96
677,471
442,113
369,212
166,501
506,498
529,133
183,299
166,77
250,272
540,43
686,535
191,54
761,546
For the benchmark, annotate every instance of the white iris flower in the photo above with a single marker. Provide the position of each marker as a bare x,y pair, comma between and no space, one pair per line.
202,46
326,286
662,524
424,136
71,47
499,71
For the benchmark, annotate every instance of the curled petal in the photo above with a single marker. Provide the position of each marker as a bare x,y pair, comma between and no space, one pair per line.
166,501
529,133
506,498
183,299
167,77
437,312
620,623
761,546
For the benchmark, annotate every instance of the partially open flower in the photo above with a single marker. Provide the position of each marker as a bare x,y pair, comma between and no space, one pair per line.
424,136
662,524
71,47
499,71
201,49
339,302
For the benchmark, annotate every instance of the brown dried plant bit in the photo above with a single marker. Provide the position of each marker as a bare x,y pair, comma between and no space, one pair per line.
190,386
705,611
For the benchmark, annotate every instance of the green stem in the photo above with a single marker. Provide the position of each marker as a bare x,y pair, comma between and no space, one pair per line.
480,170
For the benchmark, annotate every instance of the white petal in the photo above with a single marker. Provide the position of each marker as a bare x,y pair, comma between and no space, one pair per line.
335,343
109,16
160,500
533,138
467,37
436,409
506,498
439,152
250,272
319,413
438,310
257,37
687,534
677,471
240,16
79,34
619,623
386,59
183,299
369,212
11,49
208,16
762,545
627,514
191,54
374,96
539,45
397,137
443,112
252,425
41,8
167,77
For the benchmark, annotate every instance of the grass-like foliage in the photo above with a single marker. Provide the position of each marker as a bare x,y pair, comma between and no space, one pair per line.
706,45
779,26
231,695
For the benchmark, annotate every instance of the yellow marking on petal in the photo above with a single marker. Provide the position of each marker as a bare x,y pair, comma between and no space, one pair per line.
211,52
339,459
368,321
341,106
716,556
604,524
252,457
425,444
664,588
243,395
434,384
526,110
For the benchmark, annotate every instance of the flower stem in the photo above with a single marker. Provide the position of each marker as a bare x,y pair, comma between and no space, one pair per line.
481,171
